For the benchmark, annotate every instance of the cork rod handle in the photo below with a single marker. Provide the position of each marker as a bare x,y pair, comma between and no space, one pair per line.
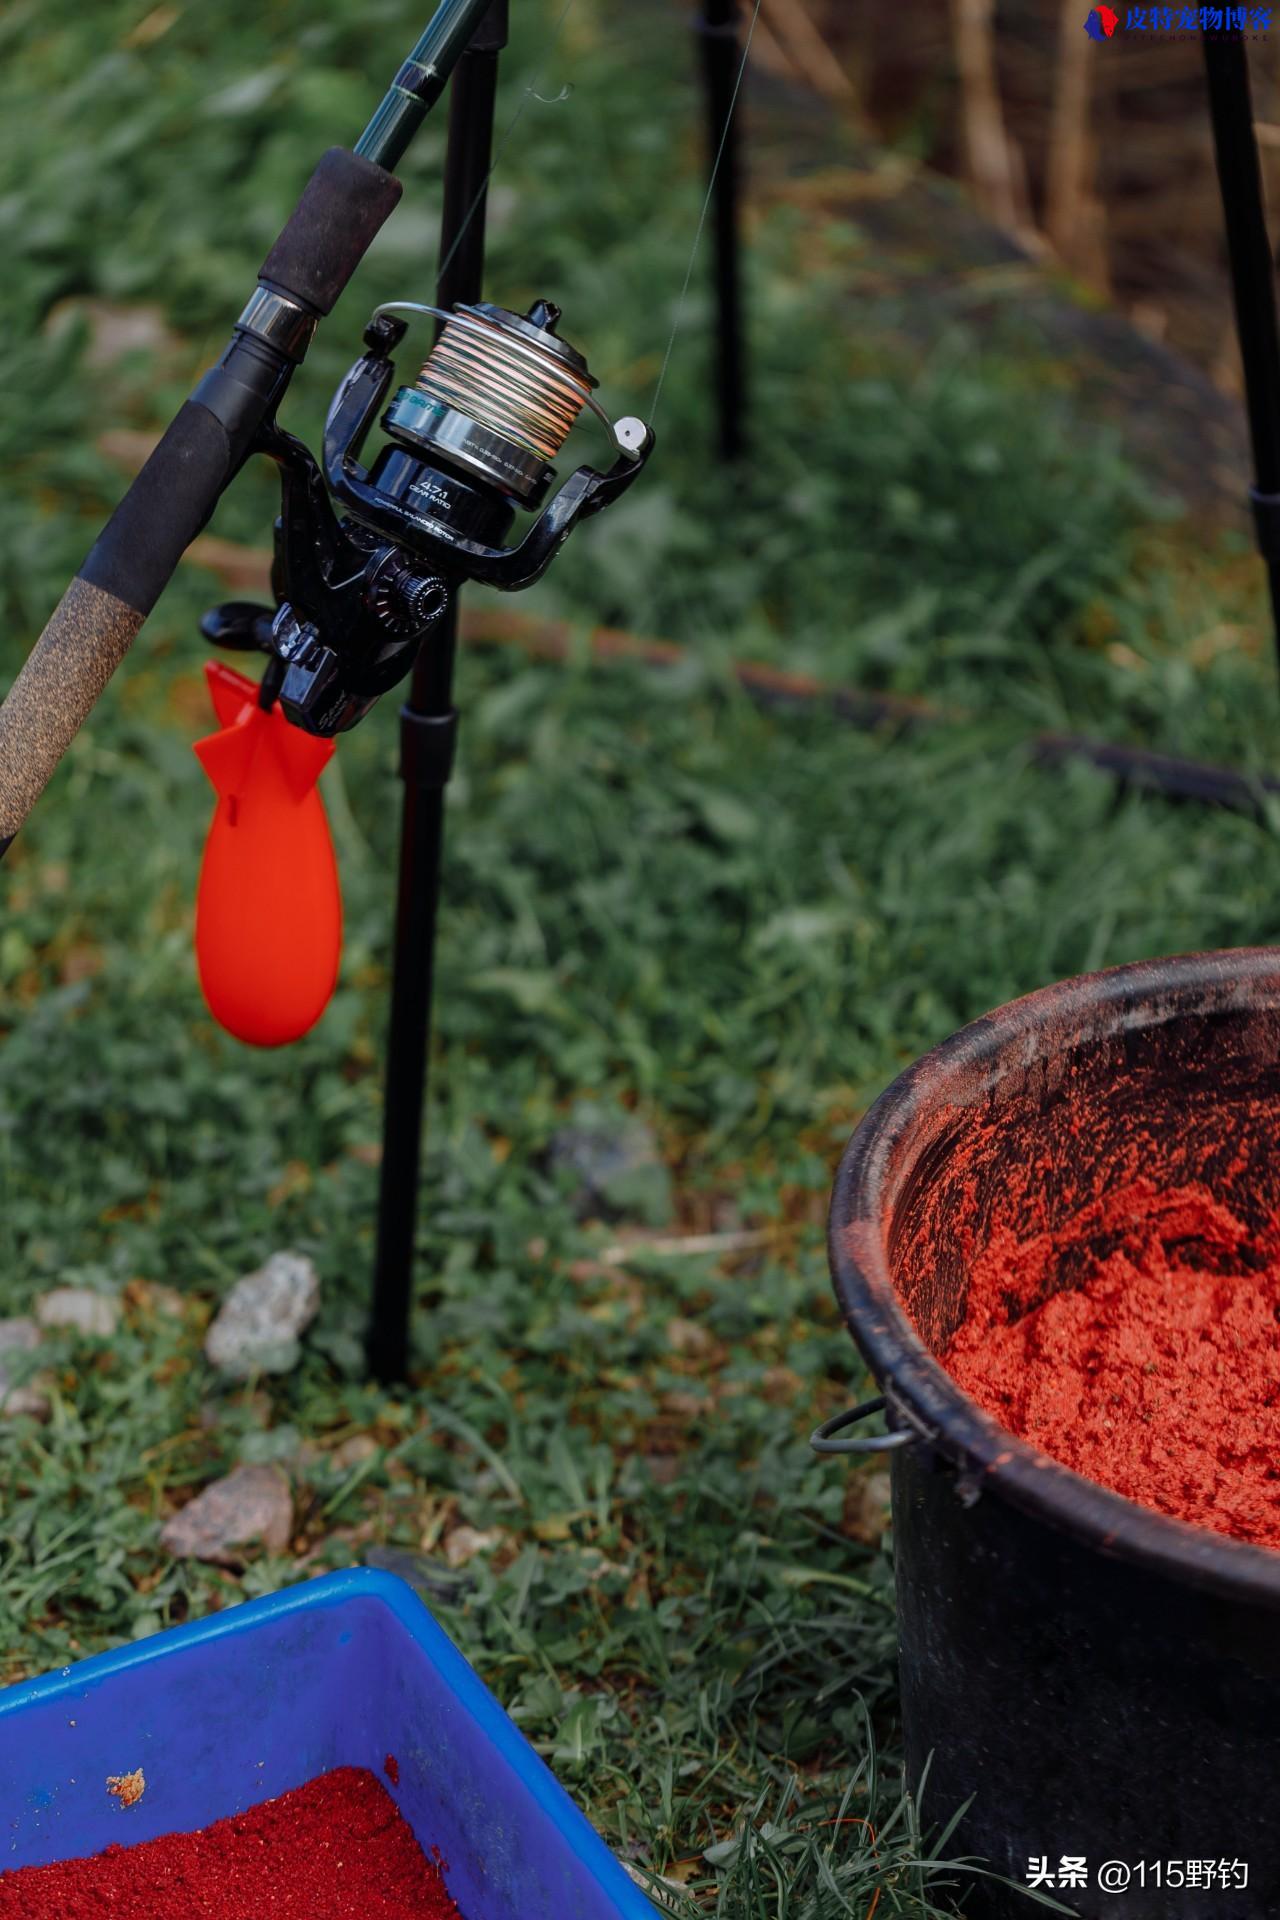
88,635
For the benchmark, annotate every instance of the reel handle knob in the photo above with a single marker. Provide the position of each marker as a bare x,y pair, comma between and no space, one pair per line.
421,599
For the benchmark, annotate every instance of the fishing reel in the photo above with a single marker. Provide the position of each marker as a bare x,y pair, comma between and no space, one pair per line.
469,444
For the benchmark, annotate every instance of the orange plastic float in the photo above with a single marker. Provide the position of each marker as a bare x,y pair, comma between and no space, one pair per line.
269,907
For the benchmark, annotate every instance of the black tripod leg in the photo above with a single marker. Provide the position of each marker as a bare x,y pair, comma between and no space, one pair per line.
718,31
1252,283
428,726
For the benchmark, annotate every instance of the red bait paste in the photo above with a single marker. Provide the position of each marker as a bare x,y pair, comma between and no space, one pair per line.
1139,1345
335,1849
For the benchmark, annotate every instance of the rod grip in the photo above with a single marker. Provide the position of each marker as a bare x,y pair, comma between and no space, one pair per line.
88,634
331,229
166,506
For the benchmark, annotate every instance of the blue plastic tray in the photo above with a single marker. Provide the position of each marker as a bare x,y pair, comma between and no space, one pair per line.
340,1671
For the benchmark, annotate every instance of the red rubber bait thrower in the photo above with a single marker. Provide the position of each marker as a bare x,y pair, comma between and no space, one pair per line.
269,908
359,594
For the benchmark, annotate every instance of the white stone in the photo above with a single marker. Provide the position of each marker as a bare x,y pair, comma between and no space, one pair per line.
20,1336
81,1308
258,1326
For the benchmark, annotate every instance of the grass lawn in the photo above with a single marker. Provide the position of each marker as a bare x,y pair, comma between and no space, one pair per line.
658,900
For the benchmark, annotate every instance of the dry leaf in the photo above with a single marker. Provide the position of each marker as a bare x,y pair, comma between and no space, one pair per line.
296,1178
464,1543
866,1507
128,1788
686,1336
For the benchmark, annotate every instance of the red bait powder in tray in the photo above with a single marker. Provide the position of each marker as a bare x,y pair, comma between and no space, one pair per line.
335,1849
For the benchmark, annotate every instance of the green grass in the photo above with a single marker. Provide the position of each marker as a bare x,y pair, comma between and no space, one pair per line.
739,926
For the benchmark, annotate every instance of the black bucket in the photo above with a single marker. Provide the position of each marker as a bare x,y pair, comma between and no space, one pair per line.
1104,1681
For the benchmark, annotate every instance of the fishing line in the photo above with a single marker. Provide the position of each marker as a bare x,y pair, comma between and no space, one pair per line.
530,92
642,608
527,93
702,217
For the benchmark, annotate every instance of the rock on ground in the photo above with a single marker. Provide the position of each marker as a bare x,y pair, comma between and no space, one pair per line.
17,1337
258,1326
81,1308
353,1452
432,1578
251,1504
614,1162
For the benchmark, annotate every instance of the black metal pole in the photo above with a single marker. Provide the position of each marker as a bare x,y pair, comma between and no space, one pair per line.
428,728
1252,283
718,35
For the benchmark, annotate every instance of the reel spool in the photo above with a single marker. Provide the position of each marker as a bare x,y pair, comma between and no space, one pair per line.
498,395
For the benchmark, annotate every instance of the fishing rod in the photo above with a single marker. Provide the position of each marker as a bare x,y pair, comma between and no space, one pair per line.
469,442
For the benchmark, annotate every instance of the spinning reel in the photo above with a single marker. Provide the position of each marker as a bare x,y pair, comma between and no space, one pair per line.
468,444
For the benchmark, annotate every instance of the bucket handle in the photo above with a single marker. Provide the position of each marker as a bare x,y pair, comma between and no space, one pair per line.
823,1440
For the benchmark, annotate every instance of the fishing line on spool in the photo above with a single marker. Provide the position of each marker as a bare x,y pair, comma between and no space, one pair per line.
506,385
